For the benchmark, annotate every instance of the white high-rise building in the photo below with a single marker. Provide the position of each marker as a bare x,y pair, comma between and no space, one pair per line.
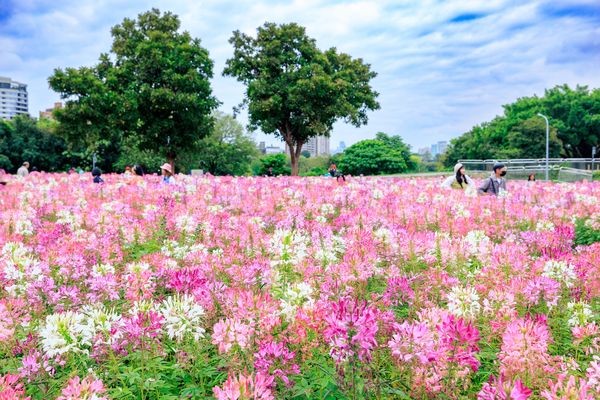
13,98
317,146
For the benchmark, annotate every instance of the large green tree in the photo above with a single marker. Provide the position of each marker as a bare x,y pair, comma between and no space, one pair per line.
574,116
228,150
371,157
153,86
296,91
25,139
397,143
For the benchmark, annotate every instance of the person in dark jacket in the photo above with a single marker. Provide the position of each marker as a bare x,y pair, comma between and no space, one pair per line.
96,174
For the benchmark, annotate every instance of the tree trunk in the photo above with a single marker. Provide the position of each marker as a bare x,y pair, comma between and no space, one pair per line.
294,161
295,153
295,146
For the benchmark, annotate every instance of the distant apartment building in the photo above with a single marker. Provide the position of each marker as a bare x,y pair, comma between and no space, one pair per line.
49,111
439,148
264,149
13,98
317,146
274,150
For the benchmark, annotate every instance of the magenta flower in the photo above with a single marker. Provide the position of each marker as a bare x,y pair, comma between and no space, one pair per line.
501,389
351,329
275,359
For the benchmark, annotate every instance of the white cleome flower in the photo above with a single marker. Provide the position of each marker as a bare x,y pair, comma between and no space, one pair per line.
544,226
560,271
288,246
581,313
327,209
183,316
297,295
99,318
464,302
186,223
23,226
64,333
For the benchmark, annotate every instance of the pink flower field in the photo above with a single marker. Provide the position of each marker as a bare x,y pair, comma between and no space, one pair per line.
297,288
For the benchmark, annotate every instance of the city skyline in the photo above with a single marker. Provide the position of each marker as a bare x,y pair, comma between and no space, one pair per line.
443,66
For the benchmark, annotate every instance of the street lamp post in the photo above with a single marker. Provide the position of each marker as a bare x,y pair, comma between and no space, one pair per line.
547,142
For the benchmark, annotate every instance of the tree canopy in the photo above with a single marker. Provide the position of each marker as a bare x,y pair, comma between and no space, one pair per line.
574,116
278,162
228,150
383,155
153,87
296,91
25,139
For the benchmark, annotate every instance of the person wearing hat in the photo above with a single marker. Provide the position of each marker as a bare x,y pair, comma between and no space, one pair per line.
460,180
23,170
496,183
167,173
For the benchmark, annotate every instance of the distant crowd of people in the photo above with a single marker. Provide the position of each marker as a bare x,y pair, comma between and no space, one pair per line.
495,184
136,170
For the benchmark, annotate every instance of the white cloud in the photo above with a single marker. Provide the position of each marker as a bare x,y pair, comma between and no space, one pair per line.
443,65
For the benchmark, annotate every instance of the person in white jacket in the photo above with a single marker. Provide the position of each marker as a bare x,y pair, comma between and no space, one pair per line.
460,180
23,170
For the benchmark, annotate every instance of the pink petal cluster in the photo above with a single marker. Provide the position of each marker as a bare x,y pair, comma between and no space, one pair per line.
277,360
11,388
246,387
524,351
351,329
229,332
500,389
88,388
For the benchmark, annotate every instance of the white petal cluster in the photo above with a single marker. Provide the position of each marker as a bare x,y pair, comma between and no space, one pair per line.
19,267
66,332
477,242
182,317
327,209
288,247
542,226
464,302
66,217
560,271
186,223
297,295
581,313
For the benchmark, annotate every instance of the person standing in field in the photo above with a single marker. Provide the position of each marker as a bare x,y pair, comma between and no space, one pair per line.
333,170
23,170
167,173
138,170
496,183
460,180
96,173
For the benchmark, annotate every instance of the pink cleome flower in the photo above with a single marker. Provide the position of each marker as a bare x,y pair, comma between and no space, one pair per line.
250,387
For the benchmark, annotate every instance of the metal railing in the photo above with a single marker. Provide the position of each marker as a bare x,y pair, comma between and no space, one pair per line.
562,169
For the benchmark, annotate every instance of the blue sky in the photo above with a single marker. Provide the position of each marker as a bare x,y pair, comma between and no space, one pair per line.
443,66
